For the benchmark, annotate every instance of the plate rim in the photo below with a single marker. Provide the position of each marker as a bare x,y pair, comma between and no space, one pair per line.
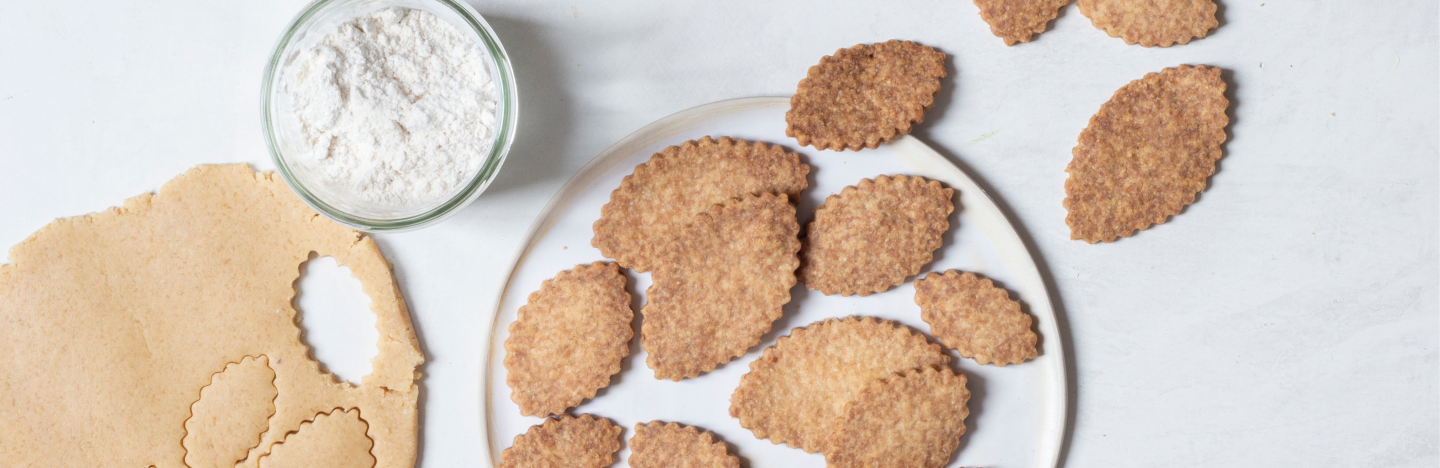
1059,375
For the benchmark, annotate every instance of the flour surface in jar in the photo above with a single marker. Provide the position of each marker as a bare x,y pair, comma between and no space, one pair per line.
396,108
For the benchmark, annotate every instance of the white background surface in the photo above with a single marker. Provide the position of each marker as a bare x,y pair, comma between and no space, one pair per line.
1288,318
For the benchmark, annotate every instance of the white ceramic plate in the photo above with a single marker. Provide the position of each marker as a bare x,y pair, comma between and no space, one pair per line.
1017,413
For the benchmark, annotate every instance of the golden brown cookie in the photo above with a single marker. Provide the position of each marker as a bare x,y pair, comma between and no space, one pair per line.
873,235
1017,20
911,420
1146,154
1152,23
722,283
147,302
971,315
797,389
660,445
665,193
568,339
865,95
565,442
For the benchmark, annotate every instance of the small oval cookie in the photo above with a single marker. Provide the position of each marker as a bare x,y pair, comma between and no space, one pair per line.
971,315
664,194
873,235
565,442
865,95
1146,154
1017,20
724,281
568,339
911,420
796,390
661,445
1152,23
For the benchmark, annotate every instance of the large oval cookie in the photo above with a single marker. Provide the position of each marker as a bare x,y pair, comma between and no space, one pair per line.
865,95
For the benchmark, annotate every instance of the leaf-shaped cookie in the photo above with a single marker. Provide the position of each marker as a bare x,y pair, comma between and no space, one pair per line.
1152,23
231,414
1017,20
334,440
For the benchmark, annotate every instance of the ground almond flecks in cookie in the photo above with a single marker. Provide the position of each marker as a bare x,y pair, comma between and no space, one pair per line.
722,283
873,235
865,95
797,389
1146,154
661,445
1152,23
911,420
583,441
665,193
1018,20
568,339
971,315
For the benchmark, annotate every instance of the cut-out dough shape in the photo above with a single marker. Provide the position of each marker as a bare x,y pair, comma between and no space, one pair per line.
111,323
333,440
231,415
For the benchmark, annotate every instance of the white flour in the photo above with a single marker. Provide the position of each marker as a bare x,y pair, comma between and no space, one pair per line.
396,107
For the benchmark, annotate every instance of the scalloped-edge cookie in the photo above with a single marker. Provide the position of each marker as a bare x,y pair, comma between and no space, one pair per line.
1016,21
672,445
335,439
1146,153
231,415
969,314
1152,23
723,282
665,193
872,235
568,339
911,420
583,441
797,389
865,95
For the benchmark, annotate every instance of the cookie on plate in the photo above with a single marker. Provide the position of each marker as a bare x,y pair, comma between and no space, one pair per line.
971,315
1146,154
565,442
796,391
873,235
661,445
911,420
865,95
568,339
665,193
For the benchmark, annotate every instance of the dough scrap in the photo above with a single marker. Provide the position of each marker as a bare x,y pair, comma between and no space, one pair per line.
912,420
865,95
661,445
797,389
874,234
565,442
971,315
722,284
231,414
663,195
1017,20
1146,154
125,315
1152,23
568,339
333,440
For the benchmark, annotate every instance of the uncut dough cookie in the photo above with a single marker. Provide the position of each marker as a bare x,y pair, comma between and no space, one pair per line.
1152,23
971,315
568,339
873,235
665,193
145,303
911,420
1146,154
865,95
565,442
797,389
723,282
1017,20
660,445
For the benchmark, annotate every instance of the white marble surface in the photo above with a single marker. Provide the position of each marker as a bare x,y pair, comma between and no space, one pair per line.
1288,318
